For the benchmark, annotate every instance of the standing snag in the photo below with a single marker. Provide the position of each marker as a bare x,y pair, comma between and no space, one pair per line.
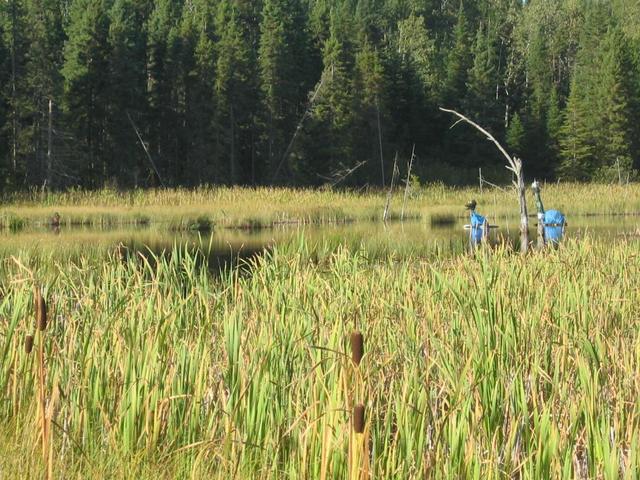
514,165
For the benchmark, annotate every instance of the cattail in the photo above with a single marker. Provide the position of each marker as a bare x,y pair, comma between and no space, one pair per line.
28,343
357,347
41,310
358,418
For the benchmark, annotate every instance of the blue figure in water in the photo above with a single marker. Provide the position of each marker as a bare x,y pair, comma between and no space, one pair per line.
479,227
553,221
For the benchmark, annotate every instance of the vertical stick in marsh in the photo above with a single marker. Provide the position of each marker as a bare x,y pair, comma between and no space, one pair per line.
535,186
407,183
357,347
385,214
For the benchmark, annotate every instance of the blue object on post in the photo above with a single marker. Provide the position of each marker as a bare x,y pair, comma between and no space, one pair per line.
554,223
479,226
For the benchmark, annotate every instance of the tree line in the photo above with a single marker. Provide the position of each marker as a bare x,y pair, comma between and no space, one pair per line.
309,92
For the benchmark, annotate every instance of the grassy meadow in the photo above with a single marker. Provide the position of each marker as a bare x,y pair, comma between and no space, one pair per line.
208,207
491,366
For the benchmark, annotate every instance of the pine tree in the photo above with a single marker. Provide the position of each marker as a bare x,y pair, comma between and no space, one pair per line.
418,51
576,141
14,26
234,92
4,141
596,136
165,89
458,63
285,78
614,94
126,90
369,113
199,60
85,71
328,143
515,136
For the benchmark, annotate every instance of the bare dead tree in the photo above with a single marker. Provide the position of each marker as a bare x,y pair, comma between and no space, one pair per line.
380,141
146,150
296,133
514,164
407,182
338,176
394,175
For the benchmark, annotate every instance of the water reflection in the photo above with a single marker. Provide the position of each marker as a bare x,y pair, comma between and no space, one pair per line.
224,247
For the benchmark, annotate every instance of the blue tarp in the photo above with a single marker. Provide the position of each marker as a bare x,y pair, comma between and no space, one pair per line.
554,223
477,221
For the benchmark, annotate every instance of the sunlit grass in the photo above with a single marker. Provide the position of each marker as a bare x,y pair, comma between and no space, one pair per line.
182,209
493,366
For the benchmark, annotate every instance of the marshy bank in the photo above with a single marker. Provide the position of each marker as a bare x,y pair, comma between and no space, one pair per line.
485,366
246,208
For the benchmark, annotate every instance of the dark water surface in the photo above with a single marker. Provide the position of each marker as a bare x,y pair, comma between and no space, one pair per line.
223,246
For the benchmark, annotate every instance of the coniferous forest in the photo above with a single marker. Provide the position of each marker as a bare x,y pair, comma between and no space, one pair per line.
303,92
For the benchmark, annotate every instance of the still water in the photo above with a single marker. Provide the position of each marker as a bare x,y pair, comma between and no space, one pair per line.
422,237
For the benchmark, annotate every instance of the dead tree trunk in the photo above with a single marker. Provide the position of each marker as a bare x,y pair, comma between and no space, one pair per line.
406,185
513,164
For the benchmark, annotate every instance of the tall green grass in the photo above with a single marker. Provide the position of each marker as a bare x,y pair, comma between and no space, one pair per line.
208,207
492,366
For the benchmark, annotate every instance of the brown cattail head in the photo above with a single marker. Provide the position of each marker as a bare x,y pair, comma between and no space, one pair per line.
357,347
41,310
28,343
358,418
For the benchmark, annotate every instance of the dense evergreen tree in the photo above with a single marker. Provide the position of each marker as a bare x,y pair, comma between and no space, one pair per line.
127,79
86,94
302,91
4,137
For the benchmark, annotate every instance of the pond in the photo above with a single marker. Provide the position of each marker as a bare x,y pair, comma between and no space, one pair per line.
225,246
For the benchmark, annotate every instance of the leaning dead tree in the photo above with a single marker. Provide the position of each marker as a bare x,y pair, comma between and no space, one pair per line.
514,164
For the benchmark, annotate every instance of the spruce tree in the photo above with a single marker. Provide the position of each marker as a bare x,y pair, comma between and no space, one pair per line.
85,72
329,143
14,25
199,60
285,77
4,80
165,89
234,94
126,91
458,63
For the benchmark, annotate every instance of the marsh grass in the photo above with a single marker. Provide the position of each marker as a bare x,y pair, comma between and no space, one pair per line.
493,366
182,209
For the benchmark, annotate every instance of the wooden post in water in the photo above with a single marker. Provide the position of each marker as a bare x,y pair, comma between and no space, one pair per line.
540,208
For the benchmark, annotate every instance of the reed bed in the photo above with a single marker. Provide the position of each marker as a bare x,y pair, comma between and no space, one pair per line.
492,366
235,207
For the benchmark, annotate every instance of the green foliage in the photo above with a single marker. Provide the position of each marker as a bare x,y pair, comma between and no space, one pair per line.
597,132
162,371
296,91
515,135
